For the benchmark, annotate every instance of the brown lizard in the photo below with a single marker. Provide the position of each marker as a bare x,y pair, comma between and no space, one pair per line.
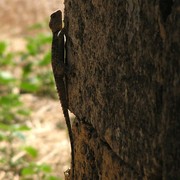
59,71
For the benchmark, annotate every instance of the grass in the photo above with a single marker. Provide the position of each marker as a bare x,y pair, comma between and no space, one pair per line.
34,76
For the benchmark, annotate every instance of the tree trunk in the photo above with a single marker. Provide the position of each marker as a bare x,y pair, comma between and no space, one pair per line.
123,88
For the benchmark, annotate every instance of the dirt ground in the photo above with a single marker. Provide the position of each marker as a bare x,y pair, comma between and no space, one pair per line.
52,142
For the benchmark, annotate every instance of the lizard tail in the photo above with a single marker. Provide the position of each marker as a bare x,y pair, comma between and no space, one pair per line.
64,103
68,124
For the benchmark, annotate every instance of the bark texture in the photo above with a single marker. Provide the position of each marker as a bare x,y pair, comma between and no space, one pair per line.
124,87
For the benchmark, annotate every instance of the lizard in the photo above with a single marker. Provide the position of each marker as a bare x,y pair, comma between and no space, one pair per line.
59,67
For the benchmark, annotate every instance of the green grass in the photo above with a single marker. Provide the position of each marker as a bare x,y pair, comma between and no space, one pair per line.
35,77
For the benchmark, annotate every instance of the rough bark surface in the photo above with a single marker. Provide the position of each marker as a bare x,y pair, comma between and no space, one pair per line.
123,87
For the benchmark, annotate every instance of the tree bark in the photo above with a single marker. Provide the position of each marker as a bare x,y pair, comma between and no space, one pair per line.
124,88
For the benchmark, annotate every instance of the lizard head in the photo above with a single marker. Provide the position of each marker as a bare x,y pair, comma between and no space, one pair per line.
55,23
